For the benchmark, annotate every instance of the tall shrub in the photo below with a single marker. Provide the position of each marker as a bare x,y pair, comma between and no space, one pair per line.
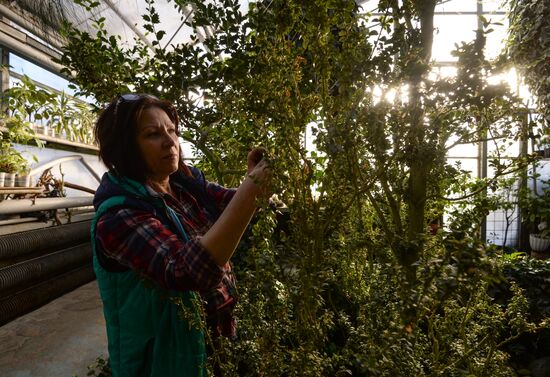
353,283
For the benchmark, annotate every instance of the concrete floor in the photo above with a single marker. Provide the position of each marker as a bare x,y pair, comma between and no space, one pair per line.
59,339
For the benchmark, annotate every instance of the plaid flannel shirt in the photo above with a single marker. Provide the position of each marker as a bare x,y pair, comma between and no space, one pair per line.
142,242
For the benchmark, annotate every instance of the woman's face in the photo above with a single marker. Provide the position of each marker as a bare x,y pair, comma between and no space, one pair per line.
158,143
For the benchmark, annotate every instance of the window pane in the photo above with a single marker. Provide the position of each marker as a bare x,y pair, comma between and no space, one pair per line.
502,227
508,148
494,6
188,149
456,6
24,67
367,5
451,30
495,39
444,71
462,150
468,164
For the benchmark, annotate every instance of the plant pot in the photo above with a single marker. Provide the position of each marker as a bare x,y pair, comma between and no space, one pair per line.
539,243
2,178
9,180
50,131
23,180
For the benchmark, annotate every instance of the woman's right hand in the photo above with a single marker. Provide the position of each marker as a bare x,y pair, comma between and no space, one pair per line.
223,237
254,157
258,169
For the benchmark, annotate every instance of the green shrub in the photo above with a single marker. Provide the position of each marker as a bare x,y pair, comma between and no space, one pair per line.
354,284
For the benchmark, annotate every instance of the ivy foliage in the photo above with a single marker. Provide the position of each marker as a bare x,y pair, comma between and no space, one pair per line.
529,49
347,280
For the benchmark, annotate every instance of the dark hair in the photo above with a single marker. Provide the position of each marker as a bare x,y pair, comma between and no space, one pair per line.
116,133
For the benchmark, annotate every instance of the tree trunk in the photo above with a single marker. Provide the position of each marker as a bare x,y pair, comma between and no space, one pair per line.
420,160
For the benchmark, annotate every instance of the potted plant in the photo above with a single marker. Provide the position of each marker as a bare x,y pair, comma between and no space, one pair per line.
544,151
18,126
9,161
540,242
536,215
6,177
22,178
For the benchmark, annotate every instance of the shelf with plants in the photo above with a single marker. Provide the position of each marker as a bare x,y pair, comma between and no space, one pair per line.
55,117
14,167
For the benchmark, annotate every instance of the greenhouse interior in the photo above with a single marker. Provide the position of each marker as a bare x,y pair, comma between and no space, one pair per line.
275,188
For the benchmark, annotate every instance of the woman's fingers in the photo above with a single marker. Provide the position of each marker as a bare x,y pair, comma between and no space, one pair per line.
259,169
254,157
261,175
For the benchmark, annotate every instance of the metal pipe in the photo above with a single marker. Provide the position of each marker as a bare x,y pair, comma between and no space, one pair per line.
81,210
90,169
20,220
78,187
11,207
52,163
23,274
40,169
17,244
33,297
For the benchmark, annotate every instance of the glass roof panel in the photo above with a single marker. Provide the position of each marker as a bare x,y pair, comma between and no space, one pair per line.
124,18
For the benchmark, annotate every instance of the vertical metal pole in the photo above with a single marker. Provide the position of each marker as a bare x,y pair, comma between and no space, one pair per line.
4,74
523,238
483,146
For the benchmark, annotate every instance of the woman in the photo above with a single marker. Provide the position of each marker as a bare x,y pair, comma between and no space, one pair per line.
162,233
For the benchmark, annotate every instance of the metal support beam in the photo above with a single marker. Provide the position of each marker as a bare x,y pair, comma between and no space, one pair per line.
188,11
483,146
21,47
4,75
49,35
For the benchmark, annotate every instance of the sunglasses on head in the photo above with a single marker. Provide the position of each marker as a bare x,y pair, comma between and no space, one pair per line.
131,97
